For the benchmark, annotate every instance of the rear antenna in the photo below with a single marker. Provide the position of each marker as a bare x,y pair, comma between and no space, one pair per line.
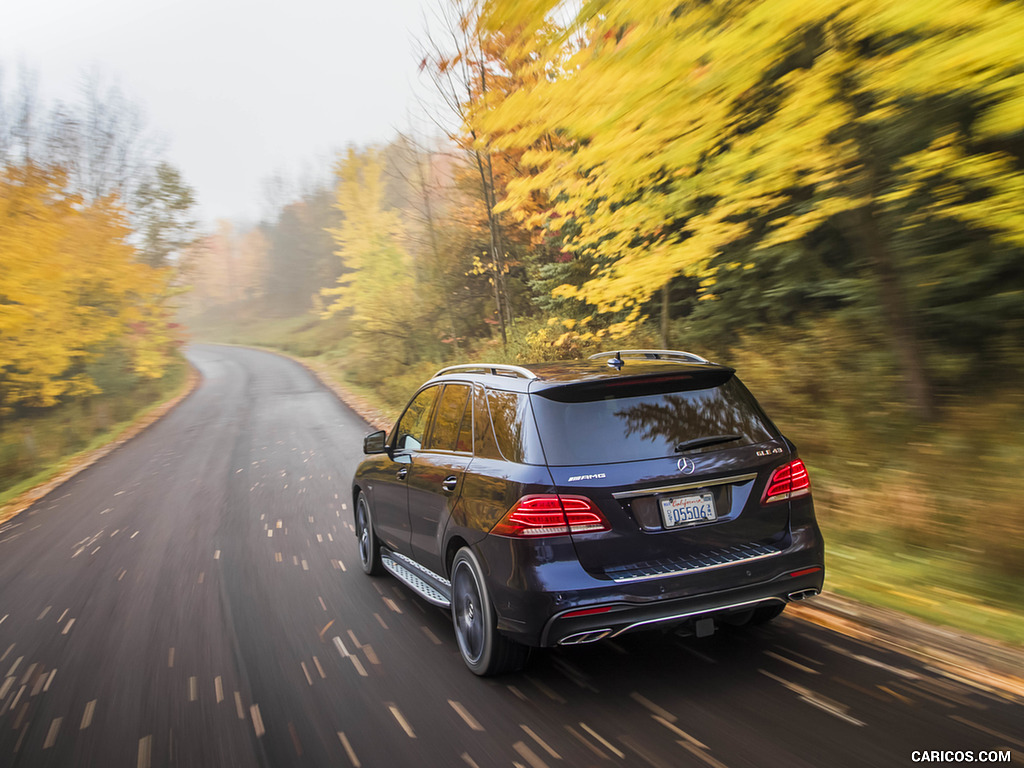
616,362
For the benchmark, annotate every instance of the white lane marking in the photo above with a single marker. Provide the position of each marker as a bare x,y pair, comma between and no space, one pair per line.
202,577
218,689
635,696
305,671
340,646
469,760
193,689
61,618
145,752
358,665
464,714
51,735
11,648
270,534
402,721
4,618
680,732
370,654
106,510
431,635
257,720
134,535
90,708
40,682
816,700
348,750
794,664
216,554
122,574
170,658
322,603
791,652
529,755
95,551
116,531
319,669
119,493
376,616
46,610
238,706
6,687
305,565
355,642
546,747
329,537
49,680
601,739
392,605
319,539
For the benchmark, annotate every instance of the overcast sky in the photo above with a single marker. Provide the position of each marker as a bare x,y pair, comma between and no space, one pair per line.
239,90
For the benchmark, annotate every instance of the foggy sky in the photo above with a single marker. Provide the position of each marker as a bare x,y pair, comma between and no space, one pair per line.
238,90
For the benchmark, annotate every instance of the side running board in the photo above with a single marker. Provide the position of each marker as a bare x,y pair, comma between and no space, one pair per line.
424,582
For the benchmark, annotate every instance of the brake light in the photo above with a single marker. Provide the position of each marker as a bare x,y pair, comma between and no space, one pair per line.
551,514
787,482
586,612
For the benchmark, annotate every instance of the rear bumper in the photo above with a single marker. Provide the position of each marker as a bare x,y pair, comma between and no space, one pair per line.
535,605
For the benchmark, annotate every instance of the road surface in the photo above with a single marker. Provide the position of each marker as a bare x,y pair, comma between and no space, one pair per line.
195,599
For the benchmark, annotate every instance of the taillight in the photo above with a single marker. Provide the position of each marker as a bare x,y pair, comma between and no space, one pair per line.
551,514
787,482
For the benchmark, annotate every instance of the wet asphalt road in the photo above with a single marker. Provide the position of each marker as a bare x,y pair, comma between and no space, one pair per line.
195,599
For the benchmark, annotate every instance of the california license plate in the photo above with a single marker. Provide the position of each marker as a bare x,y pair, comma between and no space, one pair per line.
688,510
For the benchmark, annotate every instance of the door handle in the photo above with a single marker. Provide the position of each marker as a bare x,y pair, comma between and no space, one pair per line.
400,474
449,483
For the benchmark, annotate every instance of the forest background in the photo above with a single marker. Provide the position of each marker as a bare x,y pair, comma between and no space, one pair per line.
826,196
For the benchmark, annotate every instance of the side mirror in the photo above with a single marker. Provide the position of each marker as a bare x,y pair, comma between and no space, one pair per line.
375,442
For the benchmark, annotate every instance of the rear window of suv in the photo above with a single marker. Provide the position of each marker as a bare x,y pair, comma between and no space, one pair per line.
600,425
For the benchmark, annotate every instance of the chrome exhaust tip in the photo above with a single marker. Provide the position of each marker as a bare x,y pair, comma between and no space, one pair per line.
802,594
591,636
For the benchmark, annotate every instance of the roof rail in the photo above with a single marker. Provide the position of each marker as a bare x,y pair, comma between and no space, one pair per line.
648,354
496,369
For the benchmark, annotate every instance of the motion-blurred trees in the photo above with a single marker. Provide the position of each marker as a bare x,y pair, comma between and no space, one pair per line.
709,140
70,287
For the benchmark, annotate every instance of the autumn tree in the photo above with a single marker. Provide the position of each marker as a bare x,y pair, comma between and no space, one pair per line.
70,285
377,293
700,139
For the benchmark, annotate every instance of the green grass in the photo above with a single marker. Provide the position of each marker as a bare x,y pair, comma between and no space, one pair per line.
39,445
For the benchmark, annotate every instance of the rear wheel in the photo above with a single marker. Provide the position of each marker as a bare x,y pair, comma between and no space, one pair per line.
369,547
765,613
484,650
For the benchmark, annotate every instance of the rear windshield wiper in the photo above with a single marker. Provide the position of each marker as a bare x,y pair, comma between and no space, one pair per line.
700,442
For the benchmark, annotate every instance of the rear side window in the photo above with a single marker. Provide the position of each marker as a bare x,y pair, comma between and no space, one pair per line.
450,409
605,430
413,424
504,427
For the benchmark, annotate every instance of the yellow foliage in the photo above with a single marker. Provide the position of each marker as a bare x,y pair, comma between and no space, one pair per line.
69,284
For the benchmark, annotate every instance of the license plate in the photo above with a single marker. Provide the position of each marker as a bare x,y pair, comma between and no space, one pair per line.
688,510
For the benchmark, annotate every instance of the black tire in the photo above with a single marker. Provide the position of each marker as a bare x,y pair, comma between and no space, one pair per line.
765,613
484,650
369,547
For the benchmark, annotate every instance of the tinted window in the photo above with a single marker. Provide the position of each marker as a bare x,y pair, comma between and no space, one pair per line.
465,442
413,424
449,417
513,426
484,444
612,429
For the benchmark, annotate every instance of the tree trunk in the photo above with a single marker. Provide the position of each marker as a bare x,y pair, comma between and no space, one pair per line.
664,316
902,326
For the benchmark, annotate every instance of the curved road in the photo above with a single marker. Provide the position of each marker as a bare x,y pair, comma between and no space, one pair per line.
195,599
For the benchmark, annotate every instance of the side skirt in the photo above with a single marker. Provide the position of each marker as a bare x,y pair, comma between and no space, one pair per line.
423,581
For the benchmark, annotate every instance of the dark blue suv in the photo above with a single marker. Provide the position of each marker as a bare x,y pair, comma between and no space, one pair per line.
563,503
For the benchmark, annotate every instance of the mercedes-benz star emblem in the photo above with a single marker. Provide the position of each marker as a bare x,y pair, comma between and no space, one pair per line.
685,466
